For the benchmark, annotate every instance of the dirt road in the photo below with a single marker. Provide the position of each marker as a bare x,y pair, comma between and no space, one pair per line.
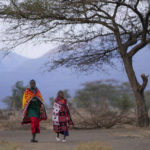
118,139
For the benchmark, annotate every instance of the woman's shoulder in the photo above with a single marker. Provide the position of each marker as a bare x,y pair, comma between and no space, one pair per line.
27,90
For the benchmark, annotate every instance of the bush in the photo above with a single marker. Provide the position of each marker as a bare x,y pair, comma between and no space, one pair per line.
124,103
93,146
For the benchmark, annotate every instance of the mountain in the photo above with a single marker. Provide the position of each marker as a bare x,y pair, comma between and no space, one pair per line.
18,68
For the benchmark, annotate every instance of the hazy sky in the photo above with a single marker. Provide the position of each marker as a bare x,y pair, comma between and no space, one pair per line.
50,82
34,51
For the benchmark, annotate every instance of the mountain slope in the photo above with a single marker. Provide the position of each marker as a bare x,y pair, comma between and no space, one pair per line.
15,67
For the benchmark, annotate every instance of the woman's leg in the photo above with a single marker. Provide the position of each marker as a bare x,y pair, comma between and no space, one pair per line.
57,137
33,136
58,134
64,137
37,125
33,129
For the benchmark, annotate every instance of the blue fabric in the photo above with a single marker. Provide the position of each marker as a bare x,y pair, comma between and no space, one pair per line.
66,133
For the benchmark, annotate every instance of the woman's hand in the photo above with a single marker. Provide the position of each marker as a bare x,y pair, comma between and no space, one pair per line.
41,108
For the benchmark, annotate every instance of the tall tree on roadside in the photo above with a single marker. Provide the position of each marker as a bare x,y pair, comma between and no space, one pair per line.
91,32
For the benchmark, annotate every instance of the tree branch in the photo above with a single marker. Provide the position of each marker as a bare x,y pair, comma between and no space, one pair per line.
139,46
144,84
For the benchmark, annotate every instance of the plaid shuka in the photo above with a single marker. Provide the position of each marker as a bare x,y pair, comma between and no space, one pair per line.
61,115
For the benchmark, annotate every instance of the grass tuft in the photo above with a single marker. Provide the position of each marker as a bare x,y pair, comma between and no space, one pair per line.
93,146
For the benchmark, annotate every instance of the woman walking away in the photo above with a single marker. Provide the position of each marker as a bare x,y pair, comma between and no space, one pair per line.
61,117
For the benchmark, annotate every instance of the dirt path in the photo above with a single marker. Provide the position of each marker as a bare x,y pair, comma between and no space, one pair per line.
118,139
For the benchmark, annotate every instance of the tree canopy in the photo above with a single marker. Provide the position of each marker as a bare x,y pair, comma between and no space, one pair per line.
90,31
100,95
14,102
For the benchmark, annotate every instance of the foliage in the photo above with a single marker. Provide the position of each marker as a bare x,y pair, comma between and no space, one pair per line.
124,103
93,93
90,32
15,100
99,95
125,98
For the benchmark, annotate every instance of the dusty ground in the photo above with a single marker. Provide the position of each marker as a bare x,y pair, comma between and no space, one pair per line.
118,139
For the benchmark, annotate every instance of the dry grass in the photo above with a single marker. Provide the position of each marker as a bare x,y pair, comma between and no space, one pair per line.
14,122
81,118
93,146
5,145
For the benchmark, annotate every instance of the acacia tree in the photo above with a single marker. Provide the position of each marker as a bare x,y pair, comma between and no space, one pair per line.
91,33
15,100
98,95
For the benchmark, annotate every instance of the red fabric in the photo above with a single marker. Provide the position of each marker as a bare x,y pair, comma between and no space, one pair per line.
35,127
28,95
64,116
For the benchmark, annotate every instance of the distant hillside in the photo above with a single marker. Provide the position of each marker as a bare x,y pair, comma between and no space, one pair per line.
15,67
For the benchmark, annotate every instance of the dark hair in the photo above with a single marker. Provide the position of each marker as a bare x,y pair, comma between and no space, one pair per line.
32,81
60,92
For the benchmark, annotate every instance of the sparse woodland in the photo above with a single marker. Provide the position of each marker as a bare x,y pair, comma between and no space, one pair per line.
90,33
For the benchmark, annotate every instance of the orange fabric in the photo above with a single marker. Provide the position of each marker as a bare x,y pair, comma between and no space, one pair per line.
28,95
63,101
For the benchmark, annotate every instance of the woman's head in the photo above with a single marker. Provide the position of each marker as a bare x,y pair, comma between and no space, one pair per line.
61,93
32,84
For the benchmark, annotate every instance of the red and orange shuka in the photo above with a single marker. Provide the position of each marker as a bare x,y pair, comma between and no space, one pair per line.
28,96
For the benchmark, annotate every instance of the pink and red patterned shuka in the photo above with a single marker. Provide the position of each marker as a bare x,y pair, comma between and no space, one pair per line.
61,116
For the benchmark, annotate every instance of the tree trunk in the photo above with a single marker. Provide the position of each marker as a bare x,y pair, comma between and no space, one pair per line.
105,104
142,113
14,107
